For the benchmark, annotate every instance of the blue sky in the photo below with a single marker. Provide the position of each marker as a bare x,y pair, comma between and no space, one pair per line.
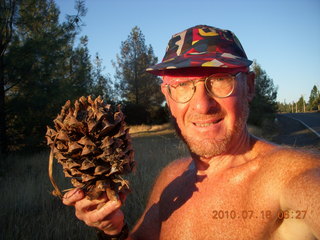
282,35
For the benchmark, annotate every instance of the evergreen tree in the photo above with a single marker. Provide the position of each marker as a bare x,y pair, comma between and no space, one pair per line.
42,69
78,80
301,104
264,103
138,87
8,15
102,84
314,99
284,107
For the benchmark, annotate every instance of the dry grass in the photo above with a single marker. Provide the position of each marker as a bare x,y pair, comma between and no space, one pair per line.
156,130
151,130
30,212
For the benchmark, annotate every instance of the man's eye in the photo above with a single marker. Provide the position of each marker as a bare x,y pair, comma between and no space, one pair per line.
221,79
183,84
180,85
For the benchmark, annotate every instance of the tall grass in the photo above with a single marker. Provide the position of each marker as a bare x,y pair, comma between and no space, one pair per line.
30,212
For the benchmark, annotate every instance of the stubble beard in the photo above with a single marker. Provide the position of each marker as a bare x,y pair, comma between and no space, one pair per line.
213,147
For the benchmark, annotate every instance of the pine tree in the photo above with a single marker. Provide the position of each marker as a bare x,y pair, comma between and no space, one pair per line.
8,15
264,103
40,69
301,104
314,98
102,84
136,85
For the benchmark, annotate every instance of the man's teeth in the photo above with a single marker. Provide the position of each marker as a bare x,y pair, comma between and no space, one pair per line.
203,124
206,124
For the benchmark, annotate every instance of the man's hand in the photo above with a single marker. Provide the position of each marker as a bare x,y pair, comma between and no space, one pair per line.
100,213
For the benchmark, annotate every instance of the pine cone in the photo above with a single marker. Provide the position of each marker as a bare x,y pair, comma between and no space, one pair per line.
93,144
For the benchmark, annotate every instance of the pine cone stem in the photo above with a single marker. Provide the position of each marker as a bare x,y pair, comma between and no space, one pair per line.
56,191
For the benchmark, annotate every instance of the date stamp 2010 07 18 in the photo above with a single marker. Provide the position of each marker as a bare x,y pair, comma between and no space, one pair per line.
264,214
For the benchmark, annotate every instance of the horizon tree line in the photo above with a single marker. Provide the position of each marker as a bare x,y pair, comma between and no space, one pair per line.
313,104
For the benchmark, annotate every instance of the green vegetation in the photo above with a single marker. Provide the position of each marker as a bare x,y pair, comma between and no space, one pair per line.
139,90
263,107
44,62
314,99
41,66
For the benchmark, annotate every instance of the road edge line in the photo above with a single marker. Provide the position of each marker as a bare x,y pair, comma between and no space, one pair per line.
311,129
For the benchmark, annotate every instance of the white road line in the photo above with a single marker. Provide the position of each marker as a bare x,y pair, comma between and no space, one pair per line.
311,129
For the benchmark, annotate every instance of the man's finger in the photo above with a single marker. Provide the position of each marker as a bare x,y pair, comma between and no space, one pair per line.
89,205
105,212
71,197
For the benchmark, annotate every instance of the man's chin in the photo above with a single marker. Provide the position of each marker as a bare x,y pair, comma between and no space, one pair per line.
203,147
207,147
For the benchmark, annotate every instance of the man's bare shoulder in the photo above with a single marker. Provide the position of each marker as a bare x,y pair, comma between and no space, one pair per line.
295,177
289,158
176,167
279,164
169,173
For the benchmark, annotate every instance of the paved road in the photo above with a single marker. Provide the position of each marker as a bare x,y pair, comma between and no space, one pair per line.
310,119
294,133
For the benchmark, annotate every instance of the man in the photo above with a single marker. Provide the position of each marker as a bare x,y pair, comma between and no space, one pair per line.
234,186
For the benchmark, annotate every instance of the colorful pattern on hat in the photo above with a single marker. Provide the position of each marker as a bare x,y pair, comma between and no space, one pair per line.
202,46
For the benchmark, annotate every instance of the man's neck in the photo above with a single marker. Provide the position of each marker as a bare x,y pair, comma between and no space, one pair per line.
239,152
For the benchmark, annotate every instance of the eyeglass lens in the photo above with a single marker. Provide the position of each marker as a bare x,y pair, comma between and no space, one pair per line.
216,85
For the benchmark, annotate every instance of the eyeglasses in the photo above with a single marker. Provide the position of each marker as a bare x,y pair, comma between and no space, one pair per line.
217,85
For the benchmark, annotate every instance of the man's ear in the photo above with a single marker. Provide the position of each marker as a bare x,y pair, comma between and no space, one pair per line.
164,91
250,85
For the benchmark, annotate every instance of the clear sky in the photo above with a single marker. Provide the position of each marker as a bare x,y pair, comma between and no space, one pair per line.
282,35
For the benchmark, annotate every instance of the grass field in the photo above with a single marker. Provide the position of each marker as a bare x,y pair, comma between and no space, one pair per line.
30,212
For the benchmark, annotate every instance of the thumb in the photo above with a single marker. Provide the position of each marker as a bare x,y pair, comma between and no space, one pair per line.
71,197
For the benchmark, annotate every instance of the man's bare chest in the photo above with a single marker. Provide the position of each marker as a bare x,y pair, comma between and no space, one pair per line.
205,209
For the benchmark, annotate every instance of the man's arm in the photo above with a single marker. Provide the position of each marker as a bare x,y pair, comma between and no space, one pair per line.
302,193
110,219
149,225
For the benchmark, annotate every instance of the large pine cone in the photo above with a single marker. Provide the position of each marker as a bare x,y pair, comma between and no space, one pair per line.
93,144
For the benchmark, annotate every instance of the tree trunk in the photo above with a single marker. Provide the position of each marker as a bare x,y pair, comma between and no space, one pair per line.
6,30
3,126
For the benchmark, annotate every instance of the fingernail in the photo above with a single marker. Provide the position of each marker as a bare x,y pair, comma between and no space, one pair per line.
78,191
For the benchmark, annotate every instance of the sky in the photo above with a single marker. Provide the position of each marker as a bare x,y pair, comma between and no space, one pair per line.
283,36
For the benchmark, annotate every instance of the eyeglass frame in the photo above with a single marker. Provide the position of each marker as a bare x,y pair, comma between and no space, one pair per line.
204,79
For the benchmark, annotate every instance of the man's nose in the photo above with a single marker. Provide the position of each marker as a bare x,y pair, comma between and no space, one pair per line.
202,102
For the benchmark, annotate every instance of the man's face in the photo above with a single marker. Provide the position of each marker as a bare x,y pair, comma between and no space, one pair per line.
209,125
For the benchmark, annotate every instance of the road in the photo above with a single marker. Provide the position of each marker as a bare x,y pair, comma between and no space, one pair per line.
296,133
312,120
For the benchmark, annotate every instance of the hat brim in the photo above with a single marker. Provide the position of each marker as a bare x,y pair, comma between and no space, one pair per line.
189,62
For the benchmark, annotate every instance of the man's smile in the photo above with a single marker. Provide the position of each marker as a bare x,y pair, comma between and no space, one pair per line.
206,123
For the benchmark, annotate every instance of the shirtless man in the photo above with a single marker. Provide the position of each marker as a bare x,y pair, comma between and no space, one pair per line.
234,186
